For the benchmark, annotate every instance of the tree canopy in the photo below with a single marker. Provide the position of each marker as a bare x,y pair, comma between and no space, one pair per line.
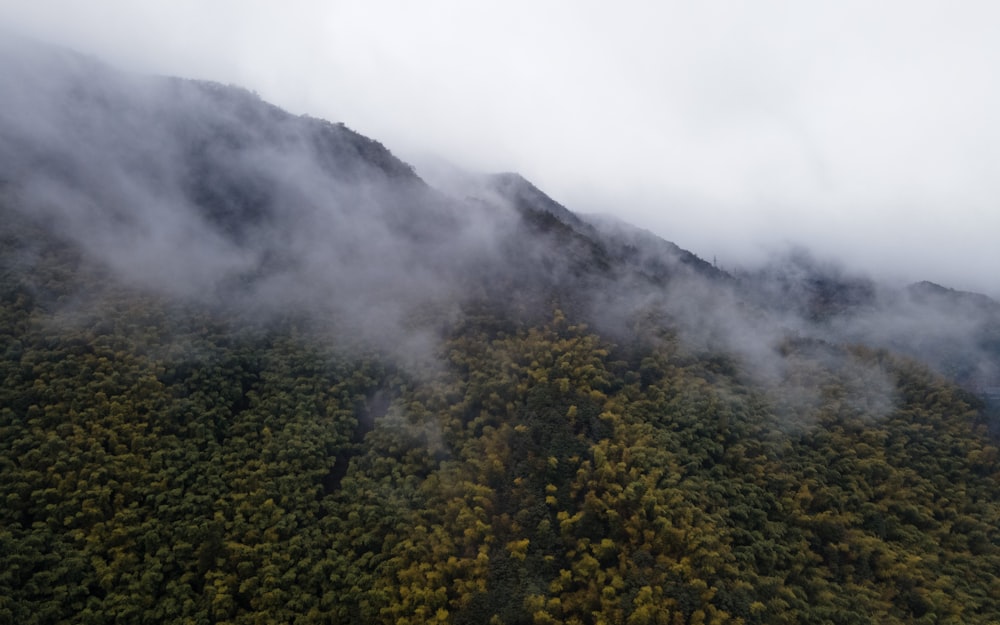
162,463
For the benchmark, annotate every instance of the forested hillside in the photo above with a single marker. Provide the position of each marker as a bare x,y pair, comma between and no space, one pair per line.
163,464
228,403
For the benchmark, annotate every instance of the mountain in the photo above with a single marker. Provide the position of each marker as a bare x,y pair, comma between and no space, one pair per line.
256,369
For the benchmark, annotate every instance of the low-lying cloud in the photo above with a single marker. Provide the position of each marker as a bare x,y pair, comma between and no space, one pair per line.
206,193
864,132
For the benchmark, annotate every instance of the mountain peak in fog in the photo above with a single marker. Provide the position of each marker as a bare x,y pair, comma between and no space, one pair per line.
207,192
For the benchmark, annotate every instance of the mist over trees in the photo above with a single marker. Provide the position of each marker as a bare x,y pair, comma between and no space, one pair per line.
255,370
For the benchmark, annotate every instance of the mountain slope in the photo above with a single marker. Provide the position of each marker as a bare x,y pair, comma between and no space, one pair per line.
256,370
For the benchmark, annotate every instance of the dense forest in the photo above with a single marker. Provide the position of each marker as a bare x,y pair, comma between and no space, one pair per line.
539,456
162,463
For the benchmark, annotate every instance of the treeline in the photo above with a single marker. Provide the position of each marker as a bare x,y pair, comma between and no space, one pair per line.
161,463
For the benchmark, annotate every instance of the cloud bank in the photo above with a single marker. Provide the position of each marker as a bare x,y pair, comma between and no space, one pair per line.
207,193
865,132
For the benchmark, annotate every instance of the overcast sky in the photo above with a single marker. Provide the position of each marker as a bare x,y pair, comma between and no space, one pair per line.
866,131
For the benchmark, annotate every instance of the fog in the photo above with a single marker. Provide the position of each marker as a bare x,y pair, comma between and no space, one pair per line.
208,194
203,193
866,133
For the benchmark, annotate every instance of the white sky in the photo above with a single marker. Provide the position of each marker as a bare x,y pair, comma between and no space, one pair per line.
866,131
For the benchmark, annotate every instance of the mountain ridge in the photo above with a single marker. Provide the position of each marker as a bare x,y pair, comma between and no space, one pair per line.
274,188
